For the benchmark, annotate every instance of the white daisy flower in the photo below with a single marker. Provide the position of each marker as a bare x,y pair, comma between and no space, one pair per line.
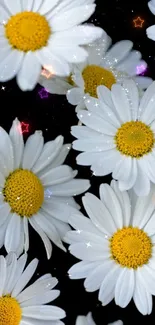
19,306
105,65
36,33
35,188
116,246
119,136
88,320
150,31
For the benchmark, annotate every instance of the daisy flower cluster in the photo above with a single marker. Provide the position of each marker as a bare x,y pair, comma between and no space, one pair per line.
46,42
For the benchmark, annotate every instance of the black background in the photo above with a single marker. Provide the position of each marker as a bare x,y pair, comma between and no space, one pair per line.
54,116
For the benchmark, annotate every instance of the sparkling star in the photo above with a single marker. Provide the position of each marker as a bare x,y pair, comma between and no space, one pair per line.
140,69
88,244
138,22
78,231
43,93
23,127
47,74
3,88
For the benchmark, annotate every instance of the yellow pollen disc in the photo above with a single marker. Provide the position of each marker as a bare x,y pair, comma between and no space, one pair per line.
27,31
70,80
134,139
24,192
10,311
95,76
131,247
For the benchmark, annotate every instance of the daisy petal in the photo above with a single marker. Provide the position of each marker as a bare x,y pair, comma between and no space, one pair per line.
43,236
4,15
129,183
121,102
88,158
44,298
150,226
32,150
50,150
98,213
104,165
13,234
26,234
74,95
47,6
25,277
48,228
55,85
142,184
57,175
8,155
59,160
150,31
21,262
27,5
148,114
11,270
70,53
142,298
10,66
144,207
17,142
151,6
149,93
85,251
3,271
73,17
62,229
148,276
124,287
85,236
95,278
29,72
53,62
143,82
79,222
96,123
125,203
78,35
133,97
118,52
109,198
82,269
31,321
107,289
4,212
58,210
36,289
71,188
13,8
43,312
100,143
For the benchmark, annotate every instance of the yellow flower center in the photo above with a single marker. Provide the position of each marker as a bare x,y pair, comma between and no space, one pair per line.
131,247
95,76
134,139
24,192
27,31
10,311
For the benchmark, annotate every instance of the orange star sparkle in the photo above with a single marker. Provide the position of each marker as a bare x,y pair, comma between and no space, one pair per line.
47,74
138,22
